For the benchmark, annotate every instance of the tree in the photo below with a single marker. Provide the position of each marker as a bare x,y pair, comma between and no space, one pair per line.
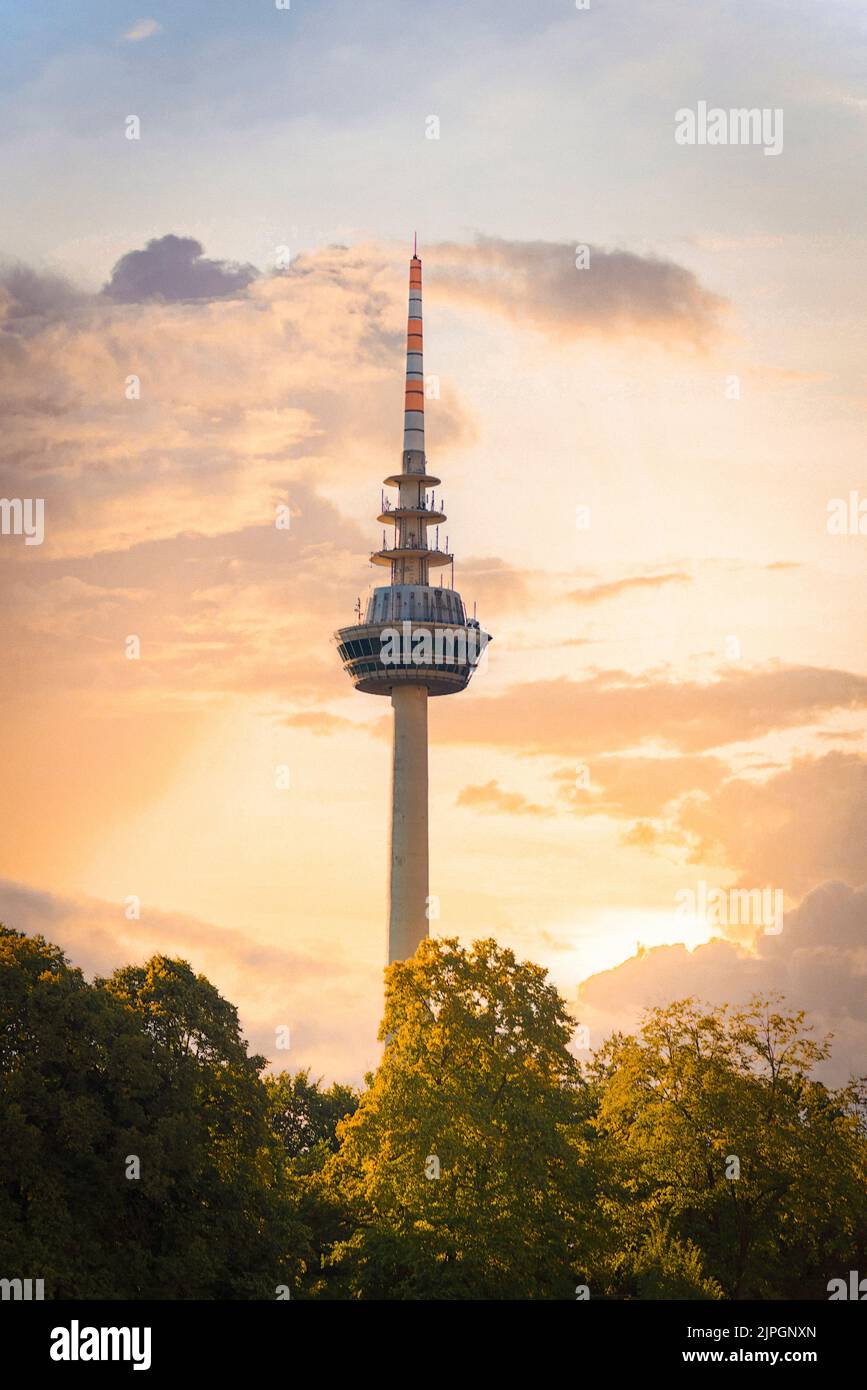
710,1118
143,1154
665,1267
136,1159
234,1229
79,1093
463,1162
304,1116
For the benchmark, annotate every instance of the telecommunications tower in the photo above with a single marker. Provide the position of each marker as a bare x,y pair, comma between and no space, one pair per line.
415,640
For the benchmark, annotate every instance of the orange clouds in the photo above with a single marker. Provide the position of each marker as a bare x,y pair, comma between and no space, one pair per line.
794,829
818,962
492,797
599,593
245,611
802,825
639,786
140,421
498,585
319,722
276,986
164,423
612,710
163,437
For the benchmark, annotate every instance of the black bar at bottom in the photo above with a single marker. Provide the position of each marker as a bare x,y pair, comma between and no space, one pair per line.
257,1338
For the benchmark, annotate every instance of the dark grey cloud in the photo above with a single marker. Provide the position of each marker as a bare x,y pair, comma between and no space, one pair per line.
31,298
174,268
617,293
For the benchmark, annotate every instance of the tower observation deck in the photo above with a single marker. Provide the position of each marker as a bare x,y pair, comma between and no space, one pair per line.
414,640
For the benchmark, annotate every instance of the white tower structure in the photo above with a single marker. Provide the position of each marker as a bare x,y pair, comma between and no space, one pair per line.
415,641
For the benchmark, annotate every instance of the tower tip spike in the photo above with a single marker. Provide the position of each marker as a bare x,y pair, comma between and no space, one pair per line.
415,245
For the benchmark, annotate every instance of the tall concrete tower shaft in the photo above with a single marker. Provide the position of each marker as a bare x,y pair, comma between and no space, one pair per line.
408,856
415,641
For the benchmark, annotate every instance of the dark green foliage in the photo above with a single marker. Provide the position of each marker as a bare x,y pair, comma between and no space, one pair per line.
305,1117
148,1065
546,1178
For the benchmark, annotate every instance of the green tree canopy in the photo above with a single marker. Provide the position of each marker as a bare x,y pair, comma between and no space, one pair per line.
699,1158
463,1160
711,1119
147,1066
305,1116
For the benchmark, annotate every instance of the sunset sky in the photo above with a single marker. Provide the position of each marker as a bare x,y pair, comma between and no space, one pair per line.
675,693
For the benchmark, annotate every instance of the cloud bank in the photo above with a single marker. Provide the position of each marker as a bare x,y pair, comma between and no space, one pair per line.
818,963
611,711
273,986
538,283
